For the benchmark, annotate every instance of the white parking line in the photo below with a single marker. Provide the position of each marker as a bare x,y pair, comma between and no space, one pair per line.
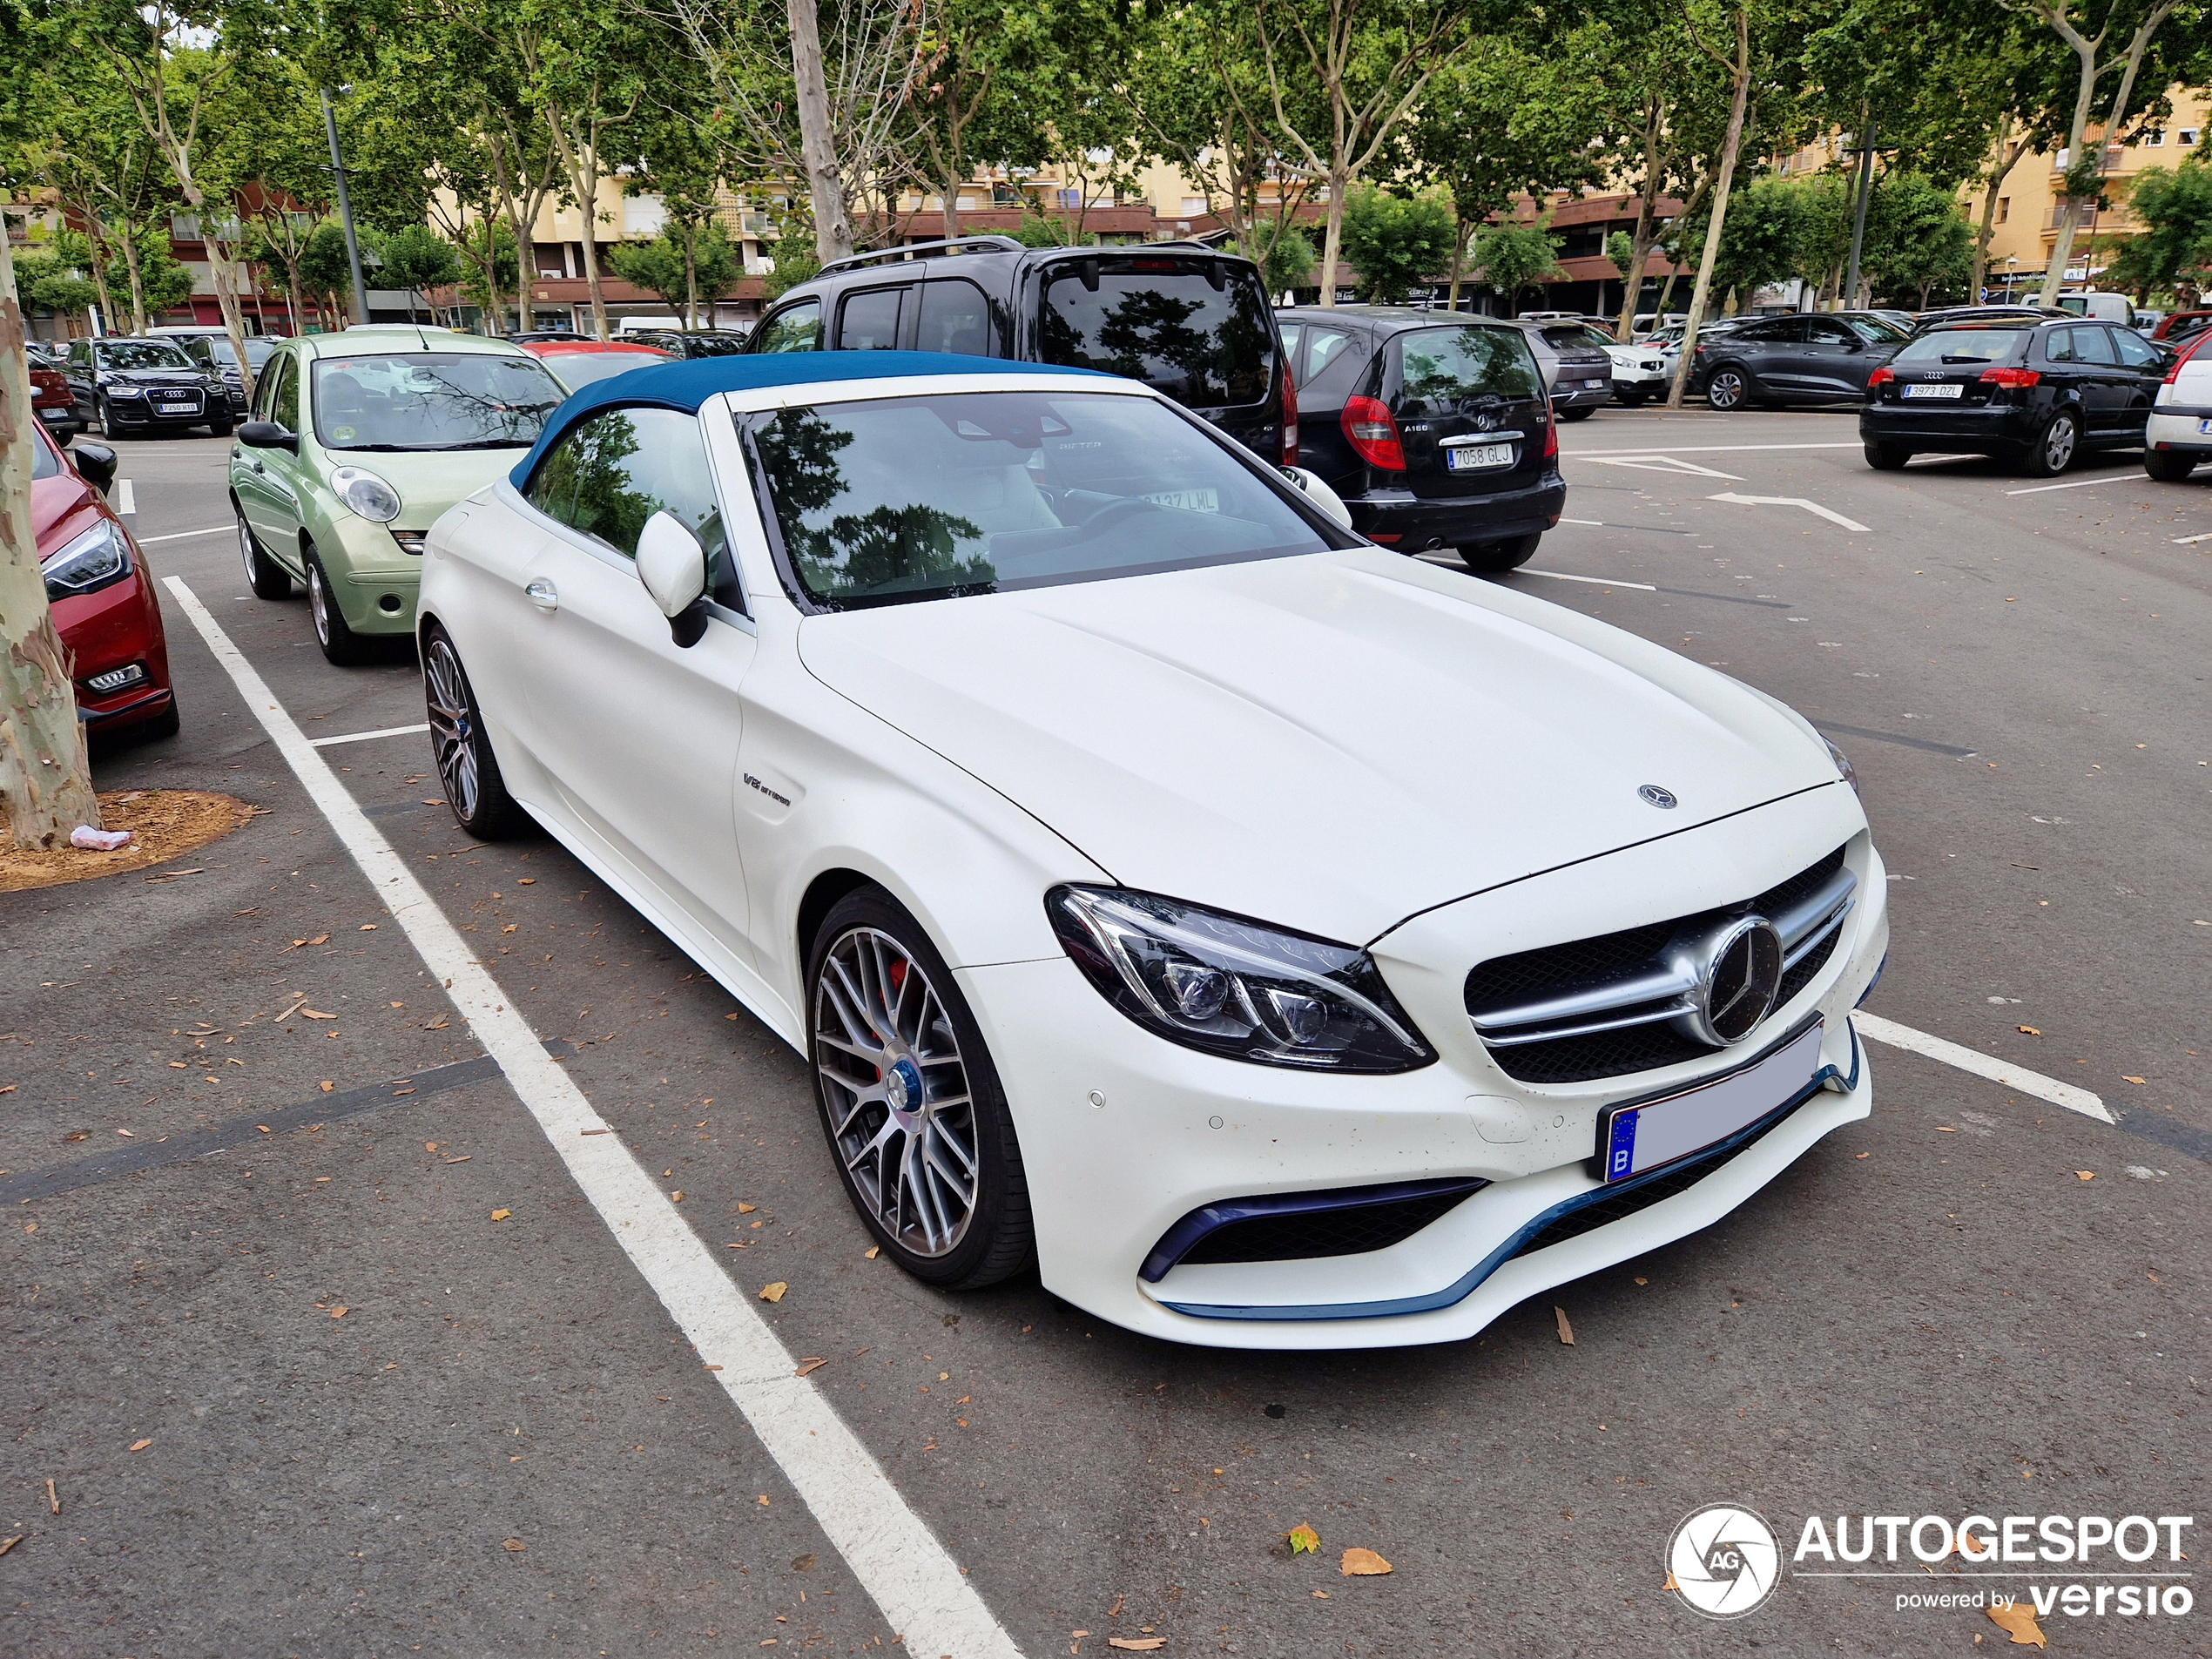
185,536
2184,541
1710,449
2074,483
891,1550
1654,461
1794,501
1982,1065
363,736
1603,581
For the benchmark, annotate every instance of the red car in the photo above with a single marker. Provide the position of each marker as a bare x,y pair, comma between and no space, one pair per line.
50,396
578,362
100,592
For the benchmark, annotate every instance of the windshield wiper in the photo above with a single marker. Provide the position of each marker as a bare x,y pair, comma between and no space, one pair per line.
484,443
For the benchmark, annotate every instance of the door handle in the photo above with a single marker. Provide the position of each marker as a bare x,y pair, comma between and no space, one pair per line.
542,595
257,466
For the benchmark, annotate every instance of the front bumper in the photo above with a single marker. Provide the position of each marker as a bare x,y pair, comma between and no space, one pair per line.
374,580
1408,523
1179,1129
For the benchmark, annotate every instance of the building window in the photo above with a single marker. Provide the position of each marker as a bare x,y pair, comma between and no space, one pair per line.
2003,208
2188,137
2156,138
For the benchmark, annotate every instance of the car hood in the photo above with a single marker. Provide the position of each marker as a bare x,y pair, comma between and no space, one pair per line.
54,502
429,480
153,376
1330,742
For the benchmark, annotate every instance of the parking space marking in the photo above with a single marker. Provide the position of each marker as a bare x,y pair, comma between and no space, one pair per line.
1647,529
2184,541
2074,483
1657,463
363,736
896,1558
1794,501
1603,581
1708,448
1982,1065
185,536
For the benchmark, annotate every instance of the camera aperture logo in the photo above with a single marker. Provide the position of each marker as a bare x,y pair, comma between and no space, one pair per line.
1723,1561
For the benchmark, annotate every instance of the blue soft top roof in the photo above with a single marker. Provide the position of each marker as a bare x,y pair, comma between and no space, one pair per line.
688,383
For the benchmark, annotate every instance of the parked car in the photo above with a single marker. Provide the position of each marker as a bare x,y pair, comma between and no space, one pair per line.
210,348
542,336
1268,859
2030,390
50,397
579,362
2177,326
1944,316
1578,370
1807,357
699,342
1181,317
2177,433
139,387
1639,372
1433,432
358,441
2104,308
99,591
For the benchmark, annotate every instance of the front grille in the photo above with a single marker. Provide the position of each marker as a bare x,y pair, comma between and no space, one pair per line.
1351,1231
1591,964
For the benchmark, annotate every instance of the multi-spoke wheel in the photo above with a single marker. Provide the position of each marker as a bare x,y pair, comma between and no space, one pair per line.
268,579
910,1099
341,645
466,766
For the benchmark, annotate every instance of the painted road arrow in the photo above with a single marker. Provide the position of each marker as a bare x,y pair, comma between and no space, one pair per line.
1793,501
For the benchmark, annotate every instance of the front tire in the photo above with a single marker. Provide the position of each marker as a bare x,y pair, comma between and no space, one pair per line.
1583,413
910,1101
2167,467
2053,450
476,792
1728,390
110,428
341,645
1494,558
1887,457
268,579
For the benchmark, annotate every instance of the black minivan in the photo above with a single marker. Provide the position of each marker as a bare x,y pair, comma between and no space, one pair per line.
1192,322
1436,433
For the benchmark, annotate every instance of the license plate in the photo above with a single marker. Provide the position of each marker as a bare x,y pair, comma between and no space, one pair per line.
1934,391
2204,426
53,415
1640,1139
1475,457
1187,501
1592,386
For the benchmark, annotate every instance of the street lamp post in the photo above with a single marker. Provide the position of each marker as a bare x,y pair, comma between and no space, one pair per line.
1869,147
345,208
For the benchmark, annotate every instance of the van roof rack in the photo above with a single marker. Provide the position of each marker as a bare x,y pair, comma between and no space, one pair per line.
891,255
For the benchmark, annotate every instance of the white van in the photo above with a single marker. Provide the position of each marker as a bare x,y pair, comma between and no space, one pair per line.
2104,308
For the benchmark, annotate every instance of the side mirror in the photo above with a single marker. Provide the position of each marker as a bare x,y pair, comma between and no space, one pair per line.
95,463
1320,494
673,565
267,434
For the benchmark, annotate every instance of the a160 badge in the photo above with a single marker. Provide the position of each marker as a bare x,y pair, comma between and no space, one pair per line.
1725,1561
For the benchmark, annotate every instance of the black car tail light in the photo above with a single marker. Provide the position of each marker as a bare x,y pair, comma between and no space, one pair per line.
1372,434
2007,374
1290,418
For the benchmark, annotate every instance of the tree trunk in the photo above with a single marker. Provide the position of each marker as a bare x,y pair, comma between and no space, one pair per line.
99,286
1713,226
1988,228
1332,243
2062,248
1459,255
817,145
45,782
950,203
292,294
692,280
138,284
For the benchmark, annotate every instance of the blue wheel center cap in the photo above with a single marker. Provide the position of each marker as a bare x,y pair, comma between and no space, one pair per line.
902,1086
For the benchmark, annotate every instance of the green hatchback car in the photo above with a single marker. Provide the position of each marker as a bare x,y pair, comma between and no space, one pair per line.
357,442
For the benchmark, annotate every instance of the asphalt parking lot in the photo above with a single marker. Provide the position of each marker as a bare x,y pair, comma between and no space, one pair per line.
380,1421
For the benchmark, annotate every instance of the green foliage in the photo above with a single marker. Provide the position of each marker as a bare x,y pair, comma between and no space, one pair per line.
2176,208
1510,257
795,263
417,258
1048,230
490,241
1919,244
1621,253
324,272
46,283
1284,253
1395,242
657,265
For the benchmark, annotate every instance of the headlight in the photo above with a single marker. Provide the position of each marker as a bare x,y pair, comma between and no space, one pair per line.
1843,764
98,556
366,493
1235,988
124,388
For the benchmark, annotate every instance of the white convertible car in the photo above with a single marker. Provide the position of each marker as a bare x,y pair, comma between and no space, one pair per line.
1285,942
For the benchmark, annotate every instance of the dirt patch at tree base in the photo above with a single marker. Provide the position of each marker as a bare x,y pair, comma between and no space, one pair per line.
164,825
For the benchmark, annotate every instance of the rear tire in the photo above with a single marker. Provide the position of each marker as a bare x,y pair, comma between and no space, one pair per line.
1887,457
166,724
1494,558
341,645
268,579
2167,467
941,1188
2054,447
1583,413
476,794
1728,388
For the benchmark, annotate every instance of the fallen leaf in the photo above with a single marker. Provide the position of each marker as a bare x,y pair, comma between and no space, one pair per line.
1866,1155
748,1208
2029,1031
1304,1540
2018,1622
501,1215
773,1292
1566,1331
313,1015
1945,1129
132,1134
1137,1644
675,1197
526,881
141,1446
514,1546
1363,1563
2126,1079
328,1086
11,1543
875,1250
367,928
340,1313
2085,1175
806,1365
1670,1584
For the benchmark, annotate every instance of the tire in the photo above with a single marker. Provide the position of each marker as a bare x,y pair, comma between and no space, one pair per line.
166,724
1493,558
341,645
902,1164
476,794
268,579
2054,447
220,428
2167,467
1886,457
1583,413
1627,399
1728,388
108,428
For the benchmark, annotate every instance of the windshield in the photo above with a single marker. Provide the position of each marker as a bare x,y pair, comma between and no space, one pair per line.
899,499
258,349
1877,330
575,369
1162,322
140,353
1981,344
45,460
433,401
1442,368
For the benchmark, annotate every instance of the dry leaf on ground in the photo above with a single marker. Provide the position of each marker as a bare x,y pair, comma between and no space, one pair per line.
141,1446
1566,1331
806,1365
2029,1031
1363,1563
501,1215
2018,1620
748,1208
2125,1078
1304,1540
773,1292
340,1313
513,1546
2085,1175
1670,1584
1137,1644
873,1251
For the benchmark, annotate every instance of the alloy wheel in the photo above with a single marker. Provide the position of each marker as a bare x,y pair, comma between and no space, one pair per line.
2058,443
452,730
246,549
318,603
1726,390
901,1117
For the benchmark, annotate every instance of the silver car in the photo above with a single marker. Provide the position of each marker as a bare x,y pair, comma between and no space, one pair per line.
1577,369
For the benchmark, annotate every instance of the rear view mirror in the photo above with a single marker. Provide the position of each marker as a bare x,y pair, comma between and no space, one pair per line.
95,463
1320,494
673,565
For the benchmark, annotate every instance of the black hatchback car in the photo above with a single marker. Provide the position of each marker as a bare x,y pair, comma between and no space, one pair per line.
134,385
1191,322
1435,433
2036,392
1807,357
